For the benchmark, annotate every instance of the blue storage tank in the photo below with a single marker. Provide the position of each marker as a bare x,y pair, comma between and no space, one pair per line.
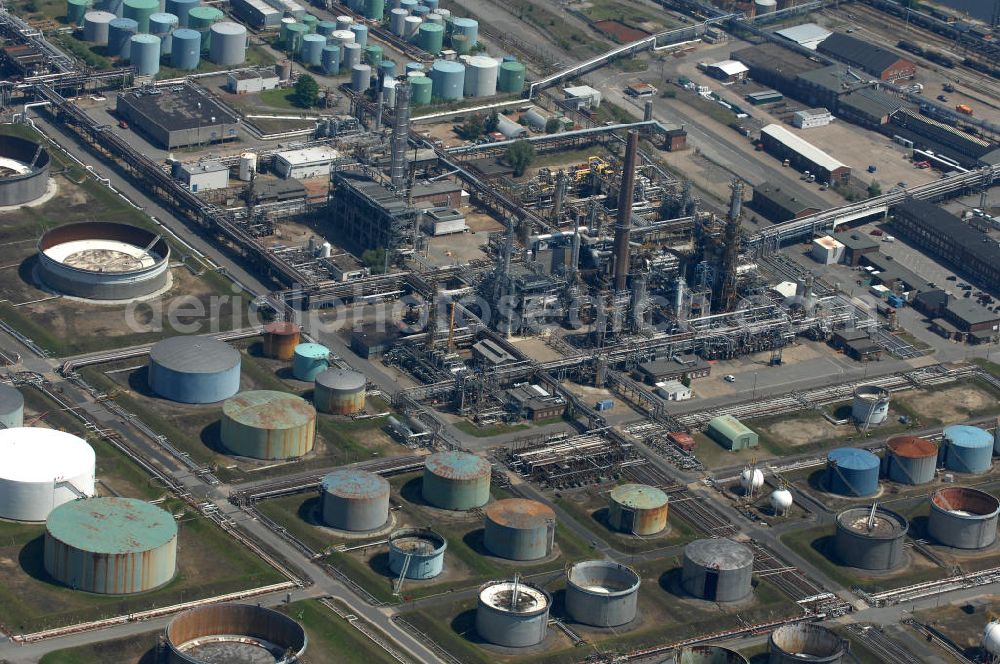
309,361
326,28
360,34
180,9
420,10
192,369
330,59
414,66
186,49
431,4
852,472
145,54
468,27
312,50
967,449
449,79
163,25
120,33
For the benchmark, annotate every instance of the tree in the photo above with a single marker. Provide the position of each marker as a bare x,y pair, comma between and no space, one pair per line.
492,122
874,189
306,93
472,128
551,125
686,380
520,154
374,259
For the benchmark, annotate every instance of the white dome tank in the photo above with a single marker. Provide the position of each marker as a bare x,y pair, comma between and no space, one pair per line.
40,469
781,501
751,479
991,638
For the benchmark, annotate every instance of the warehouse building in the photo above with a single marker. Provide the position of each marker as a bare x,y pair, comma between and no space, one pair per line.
877,61
806,35
678,367
946,236
731,433
782,203
535,403
202,176
582,97
894,274
803,155
856,244
867,107
251,81
811,117
257,13
728,71
774,66
971,321
177,116
825,86
965,144
857,345
305,163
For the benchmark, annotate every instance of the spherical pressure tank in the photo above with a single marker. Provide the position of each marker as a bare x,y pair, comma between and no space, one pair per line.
95,26
372,55
481,76
602,593
194,369
512,613
991,638
215,633
113,546
468,27
280,337
449,79
870,540
708,655
11,407
397,21
423,547
430,38
309,360
456,480
967,449
519,529
340,392
411,26
751,480
330,60
718,570
76,10
374,9
163,25
180,9
120,32
355,500
963,518
360,34
511,77
344,22
852,472
312,50
228,45
140,11
41,469
350,56
781,501
911,460
420,90
361,77
870,406
804,643
265,424
326,28
185,53
145,54
637,509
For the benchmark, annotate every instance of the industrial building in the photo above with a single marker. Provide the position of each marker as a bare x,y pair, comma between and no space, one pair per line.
938,137
857,245
11,407
369,215
806,35
717,570
637,509
41,469
251,81
243,632
512,613
194,369
177,116
305,163
676,367
804,156
811,117
257,13
867,107
826,250
911,460
535,403
731,433
103,261
805,642
728,71
582,97
870,538
110,546
774,66
783,203
602,593
519,529
877,61
416,553
827,85
340,392
265,424
354,500
309,360
456,480
963,518
852,472
202,175
280,340
967,449
24,170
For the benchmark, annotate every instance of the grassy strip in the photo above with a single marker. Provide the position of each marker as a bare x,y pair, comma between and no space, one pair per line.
332,639
138,649
486,432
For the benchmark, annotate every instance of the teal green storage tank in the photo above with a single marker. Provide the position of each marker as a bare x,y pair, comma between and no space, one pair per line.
201,19
310,22
310,360
511,77
421,89
430,38
296,36
373,55
140,11
374,9
75,9
456,480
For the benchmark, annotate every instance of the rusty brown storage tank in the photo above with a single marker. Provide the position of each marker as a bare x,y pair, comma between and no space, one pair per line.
911,460
280,339
113,546
963,518
456,480
266,424
637,509
519,529
340,392
234,633
355,500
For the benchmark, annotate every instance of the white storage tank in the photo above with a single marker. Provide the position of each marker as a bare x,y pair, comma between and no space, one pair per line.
397,21
481,73
361,77
11,407
248,165
40,469
871,405
228,43
411,24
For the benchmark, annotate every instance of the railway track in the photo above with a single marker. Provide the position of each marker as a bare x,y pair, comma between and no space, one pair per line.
876,640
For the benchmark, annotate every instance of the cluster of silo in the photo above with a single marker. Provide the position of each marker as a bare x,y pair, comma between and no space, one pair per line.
718,570
11,407
456,480
870,538
519,529
910,460
41,469
266,424
419,552
967,449
194,369
309,360
637,509
355,500
602,593
852,472
870,406
280,339
340,392
805,642
113,546
963,518
512,613
448,78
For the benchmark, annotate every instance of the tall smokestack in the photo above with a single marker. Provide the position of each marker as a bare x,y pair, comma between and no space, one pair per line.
400,132
626,191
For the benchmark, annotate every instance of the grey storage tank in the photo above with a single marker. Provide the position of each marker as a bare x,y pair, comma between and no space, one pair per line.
911,460
350,56
963,518
355,500
340,392
456,480
602,593
25,176
870,538
228,45
163,25
708,655
361,77
95,26
718,570
419,550
120,32
512,613
11,407
145,56
519,529
805,643
185,52
330,59
194,369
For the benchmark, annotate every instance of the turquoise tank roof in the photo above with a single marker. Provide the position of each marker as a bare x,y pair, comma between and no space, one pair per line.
111,525
849,458
314,351
963,435
355,483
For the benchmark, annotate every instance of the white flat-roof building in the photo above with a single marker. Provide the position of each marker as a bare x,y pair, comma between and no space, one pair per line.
812,117
673,390
827,250
305,163
583,96
807,35
727,70
250,81
202,175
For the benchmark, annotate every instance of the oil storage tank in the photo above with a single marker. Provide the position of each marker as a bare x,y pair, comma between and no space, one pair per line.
280,339
417,551
340,392
963,518
312,50
361,77
870,405
512,613
185,52
456,480
350,56
194,369
360,34
355,500
41,469
481,76
163,25
449,79
708,655
637,509
24,170
120,32
852,472
374,9
805,642
469,27
201,19
602,593
372,55
140,11
430,37
421,90
344,36
112,546
145,54
11,407
511,77
228,45
870,538
95,26
76,9
180,9
519,529
308,360
718,570
967,449
397,20
330,60
911,460
240,632
296,34
265,424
